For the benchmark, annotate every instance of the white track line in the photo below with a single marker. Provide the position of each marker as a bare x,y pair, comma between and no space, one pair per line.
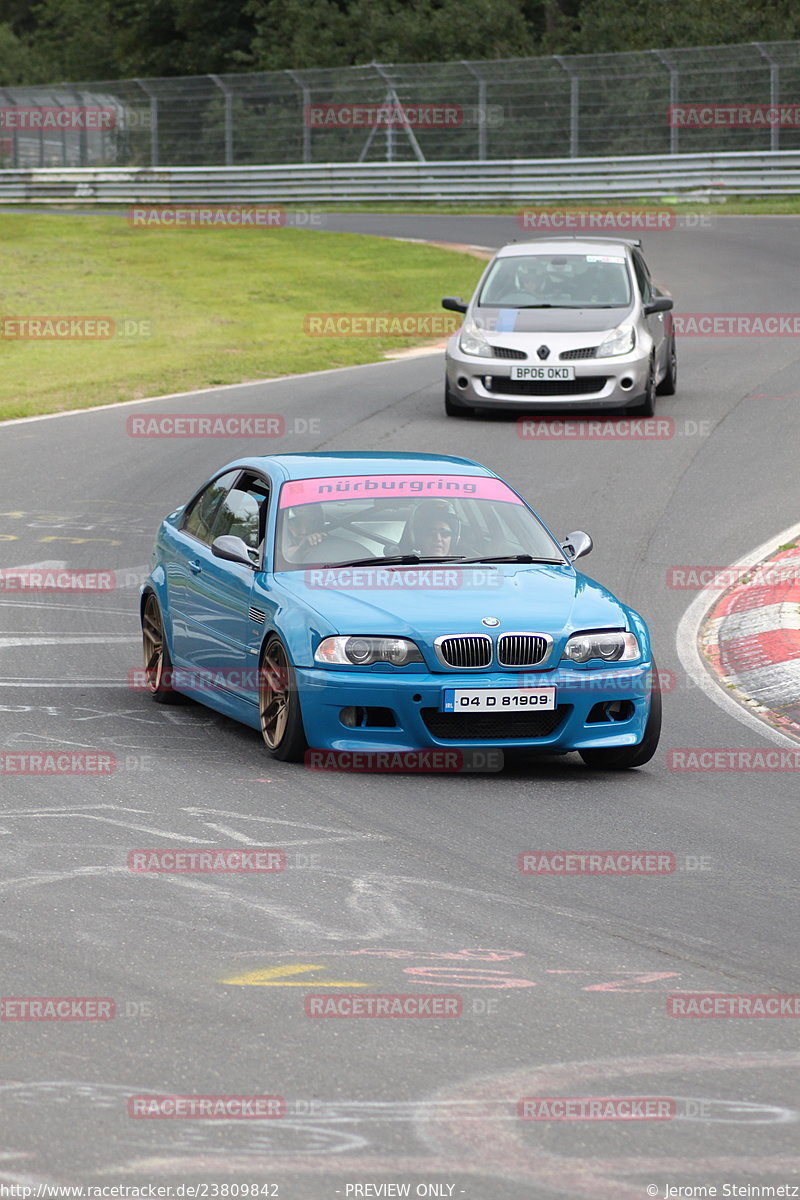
686,640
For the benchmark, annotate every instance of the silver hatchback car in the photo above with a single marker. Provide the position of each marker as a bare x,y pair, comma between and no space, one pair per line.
562,323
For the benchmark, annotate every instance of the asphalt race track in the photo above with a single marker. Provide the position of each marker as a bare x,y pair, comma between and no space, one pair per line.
404,883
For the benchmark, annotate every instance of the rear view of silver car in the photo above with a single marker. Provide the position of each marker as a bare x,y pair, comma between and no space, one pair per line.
562,323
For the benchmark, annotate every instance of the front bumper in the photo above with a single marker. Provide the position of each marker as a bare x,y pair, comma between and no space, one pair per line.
599,382
412,697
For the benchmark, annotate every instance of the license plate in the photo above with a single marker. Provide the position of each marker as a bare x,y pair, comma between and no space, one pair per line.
500,700
543,373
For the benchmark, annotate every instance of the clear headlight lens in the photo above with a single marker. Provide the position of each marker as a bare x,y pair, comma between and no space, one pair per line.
363,651
620,341
472,340
610,647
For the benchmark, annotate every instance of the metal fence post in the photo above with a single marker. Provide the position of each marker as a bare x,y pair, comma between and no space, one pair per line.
481,109
774,95
153,121
574,103
306,101
228,94
674,82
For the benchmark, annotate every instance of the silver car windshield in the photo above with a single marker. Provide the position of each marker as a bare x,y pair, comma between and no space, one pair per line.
361,529
557,281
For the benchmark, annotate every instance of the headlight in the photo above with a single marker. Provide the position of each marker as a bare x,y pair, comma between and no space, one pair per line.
472,340
610,647
363,651
620,341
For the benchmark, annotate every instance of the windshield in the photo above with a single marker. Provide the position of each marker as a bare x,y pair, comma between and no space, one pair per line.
557,281
372,519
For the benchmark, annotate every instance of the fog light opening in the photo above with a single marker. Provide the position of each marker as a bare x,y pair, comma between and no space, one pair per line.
352,717
462,382
626,384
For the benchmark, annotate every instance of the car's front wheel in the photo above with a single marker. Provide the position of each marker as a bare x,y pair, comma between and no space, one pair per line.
647,406
669,383
622,758
157,662
279,704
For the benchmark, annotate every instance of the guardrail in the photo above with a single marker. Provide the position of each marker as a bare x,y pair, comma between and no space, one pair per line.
692,175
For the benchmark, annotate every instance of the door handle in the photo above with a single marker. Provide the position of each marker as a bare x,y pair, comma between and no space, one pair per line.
195,567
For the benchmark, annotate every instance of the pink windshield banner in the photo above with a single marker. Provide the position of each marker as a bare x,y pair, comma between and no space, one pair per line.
357,487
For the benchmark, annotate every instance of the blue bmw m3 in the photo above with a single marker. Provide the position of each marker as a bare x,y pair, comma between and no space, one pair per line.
392,602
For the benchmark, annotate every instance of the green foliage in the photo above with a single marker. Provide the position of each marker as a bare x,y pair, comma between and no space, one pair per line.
51,41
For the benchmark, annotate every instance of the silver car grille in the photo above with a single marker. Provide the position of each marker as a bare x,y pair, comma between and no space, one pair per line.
507,352
464,652
522,649
584,352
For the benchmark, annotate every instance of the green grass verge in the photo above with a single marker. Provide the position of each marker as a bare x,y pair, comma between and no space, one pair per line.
223,305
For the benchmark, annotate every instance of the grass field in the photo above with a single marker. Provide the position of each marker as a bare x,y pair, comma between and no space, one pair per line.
209,306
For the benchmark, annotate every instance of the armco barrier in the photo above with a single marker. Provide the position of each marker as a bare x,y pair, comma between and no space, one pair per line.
689,175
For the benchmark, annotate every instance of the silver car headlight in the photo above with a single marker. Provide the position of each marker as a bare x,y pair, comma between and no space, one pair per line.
363,651
610,647
472,340
620,341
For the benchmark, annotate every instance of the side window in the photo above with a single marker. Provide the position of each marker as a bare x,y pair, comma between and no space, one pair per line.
243,512
642,277
198,519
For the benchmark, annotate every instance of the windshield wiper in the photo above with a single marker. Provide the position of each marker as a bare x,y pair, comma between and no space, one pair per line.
396,560
516,558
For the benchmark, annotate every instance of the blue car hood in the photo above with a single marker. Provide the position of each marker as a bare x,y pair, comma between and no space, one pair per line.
542,599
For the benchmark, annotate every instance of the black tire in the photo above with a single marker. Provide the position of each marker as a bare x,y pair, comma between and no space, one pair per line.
622,758
669,384
647,406
453,407
157,662
279,704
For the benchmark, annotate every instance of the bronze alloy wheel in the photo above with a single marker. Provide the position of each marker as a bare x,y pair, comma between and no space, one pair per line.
279,704
153,644
274,694
157,662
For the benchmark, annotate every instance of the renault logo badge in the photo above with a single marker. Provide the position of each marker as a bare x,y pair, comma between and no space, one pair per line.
543,352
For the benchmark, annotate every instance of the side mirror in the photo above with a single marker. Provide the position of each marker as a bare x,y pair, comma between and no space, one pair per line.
232,549
662,304
454,304
577,544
